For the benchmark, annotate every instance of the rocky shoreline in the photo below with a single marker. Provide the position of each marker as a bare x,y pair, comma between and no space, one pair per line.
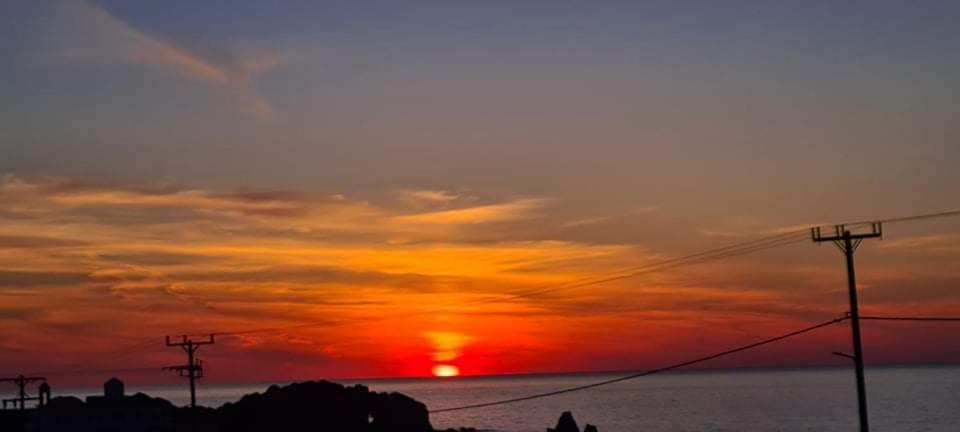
304,406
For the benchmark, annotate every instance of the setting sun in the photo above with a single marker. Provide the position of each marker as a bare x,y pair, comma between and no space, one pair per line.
446,371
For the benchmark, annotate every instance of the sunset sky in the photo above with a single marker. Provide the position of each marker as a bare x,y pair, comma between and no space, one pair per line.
388,174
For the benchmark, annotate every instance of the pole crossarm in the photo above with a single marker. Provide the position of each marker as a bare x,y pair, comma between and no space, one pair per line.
187,340
841,232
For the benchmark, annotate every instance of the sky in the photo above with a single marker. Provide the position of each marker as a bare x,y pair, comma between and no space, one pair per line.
388,175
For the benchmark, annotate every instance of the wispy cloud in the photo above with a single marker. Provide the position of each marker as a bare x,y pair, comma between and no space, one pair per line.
519,209
429,195
171,258
84,32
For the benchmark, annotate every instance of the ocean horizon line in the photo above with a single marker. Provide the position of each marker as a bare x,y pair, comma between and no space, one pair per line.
536,375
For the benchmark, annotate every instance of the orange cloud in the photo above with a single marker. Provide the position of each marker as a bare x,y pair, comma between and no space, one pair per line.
519,209
96,261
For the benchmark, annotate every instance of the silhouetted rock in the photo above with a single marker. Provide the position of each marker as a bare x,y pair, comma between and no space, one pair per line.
566,423
307,407
322,405
397,412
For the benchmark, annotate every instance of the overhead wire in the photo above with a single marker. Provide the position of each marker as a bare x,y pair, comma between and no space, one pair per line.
647,372
100,371
737,249
910,318
696,258
742,248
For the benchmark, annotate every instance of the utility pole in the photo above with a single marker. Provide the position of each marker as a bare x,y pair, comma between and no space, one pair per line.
22,398
194,367
848,242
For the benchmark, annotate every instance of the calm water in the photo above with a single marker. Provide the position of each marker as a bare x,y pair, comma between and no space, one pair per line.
901,399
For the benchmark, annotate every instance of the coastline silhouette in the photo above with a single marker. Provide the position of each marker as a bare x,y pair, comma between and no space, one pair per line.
303,406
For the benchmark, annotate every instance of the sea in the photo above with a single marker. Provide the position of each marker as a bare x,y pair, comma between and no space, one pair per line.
908,399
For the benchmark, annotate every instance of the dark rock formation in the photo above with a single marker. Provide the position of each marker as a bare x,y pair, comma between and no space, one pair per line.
301,407
308,406
397,412
322,405
566,423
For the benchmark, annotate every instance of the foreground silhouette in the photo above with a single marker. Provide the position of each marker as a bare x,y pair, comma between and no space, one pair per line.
306,406
566,423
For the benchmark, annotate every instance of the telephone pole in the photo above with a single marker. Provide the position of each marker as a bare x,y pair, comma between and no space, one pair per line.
848,242
22,398
194,367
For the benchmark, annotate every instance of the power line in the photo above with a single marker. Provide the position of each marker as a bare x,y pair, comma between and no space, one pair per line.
104,371
737,249
659,267
79,372
668,264
911,218
649,372
147,344
632,271
910,318
742,248
777,240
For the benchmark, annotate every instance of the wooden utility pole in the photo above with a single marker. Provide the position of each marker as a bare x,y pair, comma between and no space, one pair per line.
194,367
848,242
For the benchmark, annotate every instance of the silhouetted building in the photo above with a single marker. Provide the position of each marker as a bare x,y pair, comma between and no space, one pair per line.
113,389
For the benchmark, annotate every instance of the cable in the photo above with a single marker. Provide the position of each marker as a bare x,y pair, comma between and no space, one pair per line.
649,372
147,344
783,239
696,258
743,248
951,213
906,318
99,371
669,266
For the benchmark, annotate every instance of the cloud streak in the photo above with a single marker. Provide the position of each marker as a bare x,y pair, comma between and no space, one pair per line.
168,258
83,32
